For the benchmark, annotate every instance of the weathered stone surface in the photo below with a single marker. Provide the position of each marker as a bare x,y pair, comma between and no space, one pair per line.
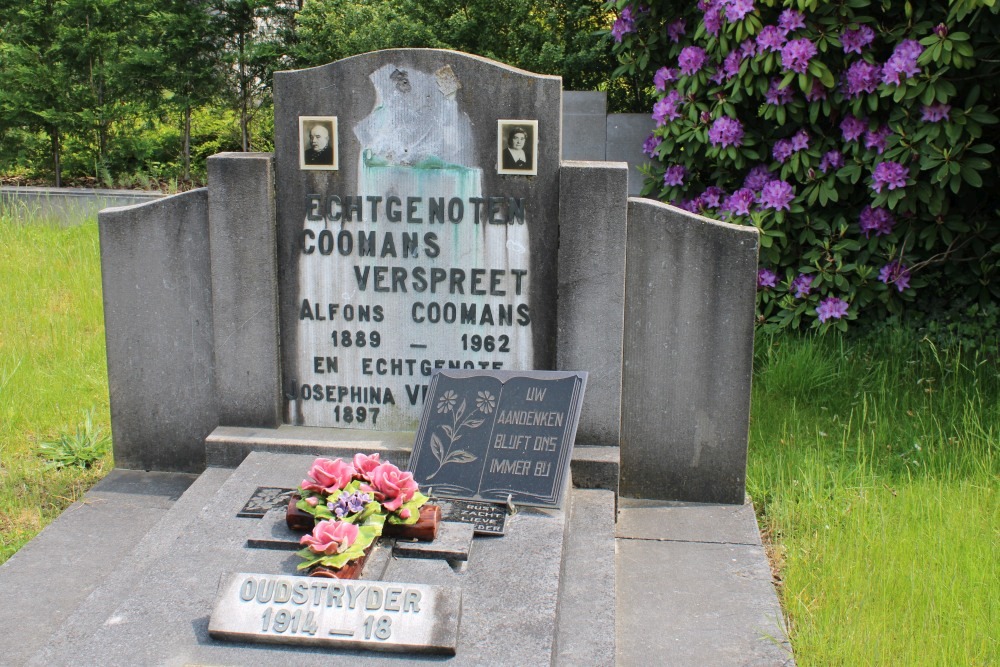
584,125
227,446
689,308
595,467
244,288
626,133
687,522
587,586
427,120
273,533
155,271
453,543
592,202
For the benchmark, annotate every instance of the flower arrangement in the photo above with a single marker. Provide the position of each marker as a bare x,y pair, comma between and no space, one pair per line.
351,502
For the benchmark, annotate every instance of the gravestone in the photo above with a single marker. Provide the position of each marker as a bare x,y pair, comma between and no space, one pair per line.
412,245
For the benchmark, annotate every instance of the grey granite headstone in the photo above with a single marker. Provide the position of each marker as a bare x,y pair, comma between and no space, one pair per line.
690,288
404,249
626,134
155,271
584,125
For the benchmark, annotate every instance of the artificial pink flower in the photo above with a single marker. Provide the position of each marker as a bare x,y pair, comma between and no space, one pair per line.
393,487
331,537
364,464
327,476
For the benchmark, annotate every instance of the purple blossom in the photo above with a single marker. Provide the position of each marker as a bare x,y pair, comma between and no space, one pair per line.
711,197
889,174
778,96
817,93
770,38
801,285
739,202
791,19
782,150
862,77
666,109
718,76
349,503
690,205
731,65
649,146
831,160
736,10
935,113
713,17
726,131
777,195
676,30
895,273
855,40
903,61
876,138
941,30
876,219
853,127
796,54
766,278
748,48
691,59
831,308
800,141
675,175
663,76
624,24
757,178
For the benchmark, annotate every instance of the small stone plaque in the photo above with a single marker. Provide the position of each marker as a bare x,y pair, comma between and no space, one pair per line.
263,500
371,615
486,518
499,435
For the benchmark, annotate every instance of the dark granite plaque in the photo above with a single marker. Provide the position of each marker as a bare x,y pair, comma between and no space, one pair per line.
497,435
486,518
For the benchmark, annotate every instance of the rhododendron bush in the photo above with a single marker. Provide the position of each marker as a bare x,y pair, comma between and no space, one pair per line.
856,136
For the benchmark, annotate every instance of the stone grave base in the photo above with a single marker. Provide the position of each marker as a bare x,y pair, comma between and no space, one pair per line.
542,591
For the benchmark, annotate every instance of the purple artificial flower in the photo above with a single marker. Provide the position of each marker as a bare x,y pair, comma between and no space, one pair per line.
782,150
935,113
903,61
663,76
862,77
691,59
853,127
876,138
739,202
817,93
736,10
778,96
731,65
801,285
726,131
800,141
675,30
831,308
889,174
855,40
876,219
666,109
766,278
757,178
649,146
795,55
711,197
777,195
895,273
675,175
831,160
770,38
791,19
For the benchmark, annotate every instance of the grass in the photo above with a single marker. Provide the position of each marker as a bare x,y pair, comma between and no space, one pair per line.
53,373
874,465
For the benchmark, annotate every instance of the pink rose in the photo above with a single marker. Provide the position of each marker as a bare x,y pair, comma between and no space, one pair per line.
404,513
327,476
312,501
331,537
395,486
364,464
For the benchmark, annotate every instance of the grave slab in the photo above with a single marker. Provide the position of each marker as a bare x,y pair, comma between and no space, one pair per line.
687,522
453,543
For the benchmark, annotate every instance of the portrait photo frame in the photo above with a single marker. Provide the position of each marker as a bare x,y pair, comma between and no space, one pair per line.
318,157
506,162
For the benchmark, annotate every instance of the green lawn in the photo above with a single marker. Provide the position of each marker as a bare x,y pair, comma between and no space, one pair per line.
873,463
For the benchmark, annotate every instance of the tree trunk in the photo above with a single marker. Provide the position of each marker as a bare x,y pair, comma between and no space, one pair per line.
54,136
244,96
187,142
